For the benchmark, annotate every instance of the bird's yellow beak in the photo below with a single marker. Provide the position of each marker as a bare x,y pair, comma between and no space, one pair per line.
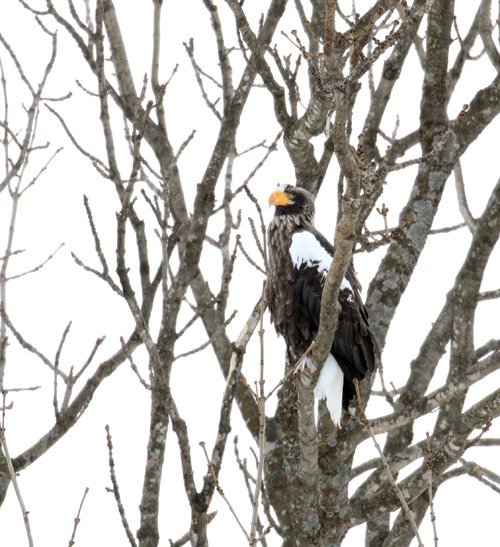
278,197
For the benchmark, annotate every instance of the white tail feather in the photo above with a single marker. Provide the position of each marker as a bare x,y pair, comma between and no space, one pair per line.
329,387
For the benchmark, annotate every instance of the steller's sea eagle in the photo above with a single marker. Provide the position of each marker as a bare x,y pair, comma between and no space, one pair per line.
299,259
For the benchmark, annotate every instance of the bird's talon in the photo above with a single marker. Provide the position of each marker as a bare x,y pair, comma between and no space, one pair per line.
303,367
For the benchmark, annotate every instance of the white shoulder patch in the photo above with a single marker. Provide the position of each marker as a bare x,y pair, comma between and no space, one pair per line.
306,248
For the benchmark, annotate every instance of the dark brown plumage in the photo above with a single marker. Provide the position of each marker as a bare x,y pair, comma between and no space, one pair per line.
299,259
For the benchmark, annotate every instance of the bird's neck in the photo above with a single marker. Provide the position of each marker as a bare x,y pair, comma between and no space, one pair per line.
291,223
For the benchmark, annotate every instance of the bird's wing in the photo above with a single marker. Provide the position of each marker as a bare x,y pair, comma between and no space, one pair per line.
353,345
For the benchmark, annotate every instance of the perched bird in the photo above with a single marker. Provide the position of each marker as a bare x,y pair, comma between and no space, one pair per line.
299,259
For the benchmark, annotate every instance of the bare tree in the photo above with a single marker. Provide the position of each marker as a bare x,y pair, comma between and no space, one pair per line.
172,253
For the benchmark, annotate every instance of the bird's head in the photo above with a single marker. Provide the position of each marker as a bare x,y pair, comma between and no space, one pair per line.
291,200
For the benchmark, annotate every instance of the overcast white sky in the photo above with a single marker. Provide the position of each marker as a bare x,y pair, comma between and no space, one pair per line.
42,304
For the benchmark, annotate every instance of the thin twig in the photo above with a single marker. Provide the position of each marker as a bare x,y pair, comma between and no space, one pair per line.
185,538
484,475
95,235
293,369
13,478
210,340
17,389
257,241
56,369
242,464
96,162
91,356
244,185
116,490
220,491
36,268
386,393
27,346
470,221
474,470
438,148
77,519
487,442
249,258
447,229
489,295
429,489
133,365
198,72
261,404
390,476
256,203
4,408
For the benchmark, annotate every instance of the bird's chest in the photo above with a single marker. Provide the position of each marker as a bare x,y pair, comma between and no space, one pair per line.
280,284
283,301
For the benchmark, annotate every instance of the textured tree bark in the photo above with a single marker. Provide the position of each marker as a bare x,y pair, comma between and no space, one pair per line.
403,253
312,486
417,218
148,534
